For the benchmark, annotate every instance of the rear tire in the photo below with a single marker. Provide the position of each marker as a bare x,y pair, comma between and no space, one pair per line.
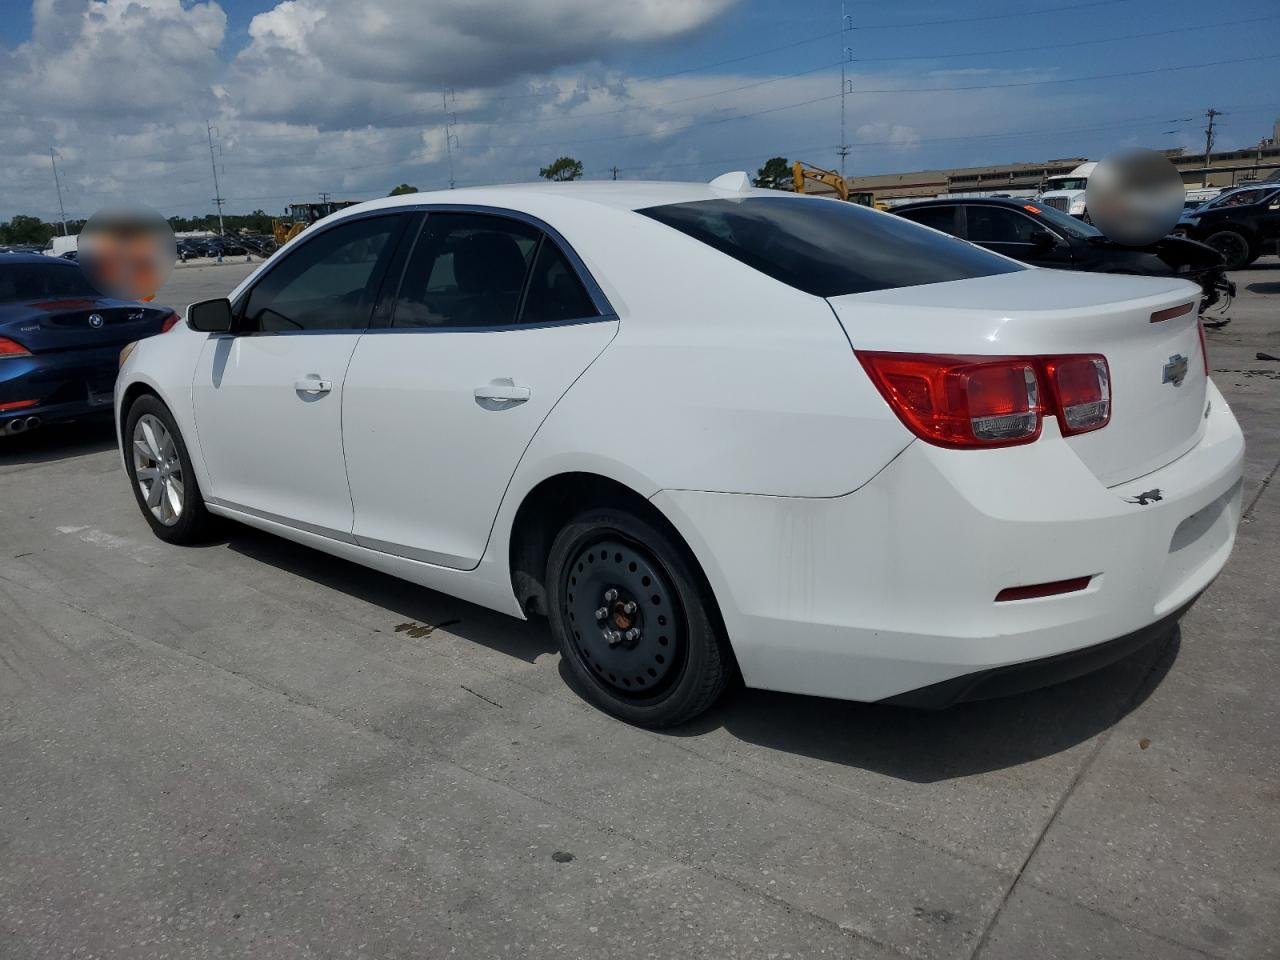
159,467
1234,247
657,657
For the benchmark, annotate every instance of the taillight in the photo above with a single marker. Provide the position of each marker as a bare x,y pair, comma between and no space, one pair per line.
169,322
960,401
970,402
17,405
1081,391
11,348
1204,349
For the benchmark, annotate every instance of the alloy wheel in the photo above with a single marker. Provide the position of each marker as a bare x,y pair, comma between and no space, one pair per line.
157,467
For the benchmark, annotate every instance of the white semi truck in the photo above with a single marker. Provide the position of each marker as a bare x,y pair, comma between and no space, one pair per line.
1066,193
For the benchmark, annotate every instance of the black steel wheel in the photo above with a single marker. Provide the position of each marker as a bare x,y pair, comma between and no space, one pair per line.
634,622
1233,246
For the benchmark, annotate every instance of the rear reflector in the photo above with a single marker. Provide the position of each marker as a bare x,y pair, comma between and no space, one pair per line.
11,348
17,405
1162,315
169,322
1081,389
1033,590
1204,349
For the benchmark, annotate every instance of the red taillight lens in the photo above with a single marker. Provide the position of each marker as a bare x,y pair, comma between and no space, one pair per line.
1204,349
11,348
169,322
960,401
1160,316
1081,388
17,405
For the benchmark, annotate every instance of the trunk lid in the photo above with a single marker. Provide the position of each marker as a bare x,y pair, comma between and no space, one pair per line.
46,326
1158,380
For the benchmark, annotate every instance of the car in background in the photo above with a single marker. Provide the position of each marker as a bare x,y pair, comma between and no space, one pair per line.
60,341
1241,224
1045,237
706,430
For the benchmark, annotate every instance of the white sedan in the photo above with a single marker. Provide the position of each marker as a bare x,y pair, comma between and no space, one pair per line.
708,430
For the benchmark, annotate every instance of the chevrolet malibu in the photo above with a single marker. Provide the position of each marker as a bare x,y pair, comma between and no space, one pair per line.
706,431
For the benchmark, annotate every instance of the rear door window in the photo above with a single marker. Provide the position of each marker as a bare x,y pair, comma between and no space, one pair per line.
940,218
555,291
466,270
827,247
991,224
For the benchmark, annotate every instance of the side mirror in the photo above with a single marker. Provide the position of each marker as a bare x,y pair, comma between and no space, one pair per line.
210,316
1043,238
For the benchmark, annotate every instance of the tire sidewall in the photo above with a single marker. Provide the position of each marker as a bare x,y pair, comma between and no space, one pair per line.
190,524
704,653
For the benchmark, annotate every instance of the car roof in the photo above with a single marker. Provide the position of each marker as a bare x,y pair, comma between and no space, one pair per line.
35,258
615,194
1017,202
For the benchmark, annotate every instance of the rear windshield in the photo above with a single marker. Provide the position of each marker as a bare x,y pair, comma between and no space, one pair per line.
826,247
43,281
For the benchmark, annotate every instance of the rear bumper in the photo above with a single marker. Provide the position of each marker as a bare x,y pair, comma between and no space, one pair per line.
65,386
891,589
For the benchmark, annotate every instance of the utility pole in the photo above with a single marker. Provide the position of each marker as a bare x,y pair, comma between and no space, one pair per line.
324,197
58,185
614,171
449,120
846,55
1208,144
217,193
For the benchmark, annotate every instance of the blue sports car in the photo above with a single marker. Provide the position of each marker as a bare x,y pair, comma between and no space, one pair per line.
60,341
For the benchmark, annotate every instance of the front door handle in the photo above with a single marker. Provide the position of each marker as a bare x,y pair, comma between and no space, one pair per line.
313,386
504,391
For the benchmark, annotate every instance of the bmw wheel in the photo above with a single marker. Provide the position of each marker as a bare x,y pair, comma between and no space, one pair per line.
635,622
159,467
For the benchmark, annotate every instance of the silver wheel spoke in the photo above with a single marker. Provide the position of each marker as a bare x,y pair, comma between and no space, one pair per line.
174,499
149,435
146,473
140,449
153,494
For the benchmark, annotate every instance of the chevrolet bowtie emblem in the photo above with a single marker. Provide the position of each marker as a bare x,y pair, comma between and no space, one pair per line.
1175,371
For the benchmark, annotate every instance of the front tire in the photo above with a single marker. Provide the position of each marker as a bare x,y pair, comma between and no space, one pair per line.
159,468
635,623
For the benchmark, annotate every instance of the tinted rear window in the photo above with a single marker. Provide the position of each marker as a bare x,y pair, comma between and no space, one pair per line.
828,248
56,280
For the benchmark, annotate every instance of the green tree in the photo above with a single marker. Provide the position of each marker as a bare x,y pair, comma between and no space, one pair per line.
564,168
26,229
775,174
402,189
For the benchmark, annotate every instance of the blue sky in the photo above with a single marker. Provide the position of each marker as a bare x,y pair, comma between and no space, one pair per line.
327,95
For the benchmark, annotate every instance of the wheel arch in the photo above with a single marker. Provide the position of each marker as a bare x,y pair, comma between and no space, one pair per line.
547,507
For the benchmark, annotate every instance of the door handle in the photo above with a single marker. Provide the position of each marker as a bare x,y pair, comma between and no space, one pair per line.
504,391
313,386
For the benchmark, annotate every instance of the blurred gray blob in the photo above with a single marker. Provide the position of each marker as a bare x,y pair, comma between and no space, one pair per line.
127,251
1135,196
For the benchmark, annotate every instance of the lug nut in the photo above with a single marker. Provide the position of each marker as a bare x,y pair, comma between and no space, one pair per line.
629,607
602,613
633,634
613,637
610,595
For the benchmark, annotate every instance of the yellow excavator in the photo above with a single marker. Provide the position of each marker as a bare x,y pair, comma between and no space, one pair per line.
802,173
303,215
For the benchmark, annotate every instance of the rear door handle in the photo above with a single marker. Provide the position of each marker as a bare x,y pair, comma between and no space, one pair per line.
504,391
313,386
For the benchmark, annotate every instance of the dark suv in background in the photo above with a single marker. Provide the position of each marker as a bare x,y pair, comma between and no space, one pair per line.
1241,224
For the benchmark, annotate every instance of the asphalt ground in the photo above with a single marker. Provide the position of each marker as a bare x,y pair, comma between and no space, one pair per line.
251,749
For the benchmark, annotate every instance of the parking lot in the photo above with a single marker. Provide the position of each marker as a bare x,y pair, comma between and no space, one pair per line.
253,749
